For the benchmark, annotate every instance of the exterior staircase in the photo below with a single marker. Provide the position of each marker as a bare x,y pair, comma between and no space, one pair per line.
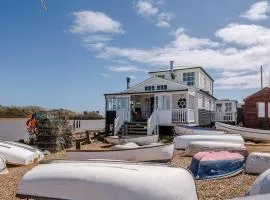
133,128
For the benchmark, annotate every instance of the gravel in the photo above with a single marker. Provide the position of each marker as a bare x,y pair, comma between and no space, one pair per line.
208,190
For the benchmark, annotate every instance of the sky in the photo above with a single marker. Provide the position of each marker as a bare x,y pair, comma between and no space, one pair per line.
73,53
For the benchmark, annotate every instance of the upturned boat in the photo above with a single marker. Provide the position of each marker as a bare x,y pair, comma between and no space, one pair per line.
138,139
261,185
182,142
139,154
200,146
38,152
247,133
189,130
106,180
16,155
3,166
216,165
257,162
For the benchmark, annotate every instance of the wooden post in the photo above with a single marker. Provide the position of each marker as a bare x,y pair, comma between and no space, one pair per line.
78,145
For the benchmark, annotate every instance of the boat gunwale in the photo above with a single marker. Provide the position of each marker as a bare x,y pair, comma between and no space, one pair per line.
120,137
244,129
116,150
200,128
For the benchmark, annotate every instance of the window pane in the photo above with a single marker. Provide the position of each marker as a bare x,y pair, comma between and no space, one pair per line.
261,109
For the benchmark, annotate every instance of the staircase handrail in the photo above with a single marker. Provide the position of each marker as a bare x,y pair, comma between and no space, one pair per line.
152,122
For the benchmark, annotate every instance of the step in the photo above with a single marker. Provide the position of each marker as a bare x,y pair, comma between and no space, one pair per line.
136,123
132,133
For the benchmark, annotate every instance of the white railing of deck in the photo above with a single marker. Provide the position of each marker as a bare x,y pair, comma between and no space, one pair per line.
121,117
224,116
179,115
152,123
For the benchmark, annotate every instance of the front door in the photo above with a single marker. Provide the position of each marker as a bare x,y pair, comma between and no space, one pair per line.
152,104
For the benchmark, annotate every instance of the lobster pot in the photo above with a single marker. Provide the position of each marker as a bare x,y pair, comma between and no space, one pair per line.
54,133
215,165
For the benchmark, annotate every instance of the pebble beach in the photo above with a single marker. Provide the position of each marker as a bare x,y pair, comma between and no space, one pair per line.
227,188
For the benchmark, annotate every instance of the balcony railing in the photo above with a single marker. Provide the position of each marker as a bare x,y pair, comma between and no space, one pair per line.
225,116
179,115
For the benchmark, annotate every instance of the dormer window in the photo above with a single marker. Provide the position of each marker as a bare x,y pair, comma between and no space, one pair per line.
189,78
161,76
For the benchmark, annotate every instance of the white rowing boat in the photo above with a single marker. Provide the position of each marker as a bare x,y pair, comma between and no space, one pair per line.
200,146
38,152
247,133
255,197
139,154
182,142
102,180
187,130
138,139
16,155
257,162
3,166
261,185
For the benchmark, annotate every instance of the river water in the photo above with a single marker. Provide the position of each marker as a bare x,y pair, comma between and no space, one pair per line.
14,129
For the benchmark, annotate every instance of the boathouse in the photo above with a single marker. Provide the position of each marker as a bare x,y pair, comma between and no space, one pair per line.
257,110
182,95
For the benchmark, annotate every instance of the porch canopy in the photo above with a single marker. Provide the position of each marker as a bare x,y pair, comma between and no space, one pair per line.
173,102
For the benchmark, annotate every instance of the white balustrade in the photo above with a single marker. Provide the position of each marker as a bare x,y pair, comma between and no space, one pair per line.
179,115
152,123
224,116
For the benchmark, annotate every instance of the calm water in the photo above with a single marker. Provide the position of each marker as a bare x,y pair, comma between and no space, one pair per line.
14,129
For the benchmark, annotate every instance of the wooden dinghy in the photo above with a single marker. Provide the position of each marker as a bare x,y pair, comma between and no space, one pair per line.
39,154
140,154
3,166
261,184
257,162
138,139
16,155
247,133
216,165
200,146
102,180
187,130
182,142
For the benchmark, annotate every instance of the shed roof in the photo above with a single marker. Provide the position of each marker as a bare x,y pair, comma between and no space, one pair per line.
256,93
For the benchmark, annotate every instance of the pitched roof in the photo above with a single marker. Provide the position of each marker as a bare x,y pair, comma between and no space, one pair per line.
183,68
256,93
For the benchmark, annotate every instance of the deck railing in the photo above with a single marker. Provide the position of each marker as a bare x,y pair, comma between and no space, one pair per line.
179,115
122,116
152,123
224,116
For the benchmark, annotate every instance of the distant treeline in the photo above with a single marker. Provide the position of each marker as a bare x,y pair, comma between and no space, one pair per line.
25,111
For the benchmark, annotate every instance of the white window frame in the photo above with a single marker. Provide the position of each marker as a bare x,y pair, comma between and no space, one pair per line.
261,109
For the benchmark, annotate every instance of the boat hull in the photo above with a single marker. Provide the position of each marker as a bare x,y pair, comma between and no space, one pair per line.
181,130
121,181
140,140
257,162
3,166
247,133
16,155
141,154
200,146
261,185
182,142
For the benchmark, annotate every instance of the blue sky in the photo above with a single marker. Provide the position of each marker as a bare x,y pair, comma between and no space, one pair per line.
70,55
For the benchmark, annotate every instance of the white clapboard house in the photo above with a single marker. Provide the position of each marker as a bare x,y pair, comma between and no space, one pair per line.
174,96
226,111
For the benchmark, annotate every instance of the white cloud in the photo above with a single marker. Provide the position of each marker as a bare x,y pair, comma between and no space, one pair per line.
244,35
146,9
184,42
257,11
126,69
105,75
151,12
94,22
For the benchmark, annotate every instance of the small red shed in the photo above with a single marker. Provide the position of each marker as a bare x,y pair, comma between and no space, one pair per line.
257,110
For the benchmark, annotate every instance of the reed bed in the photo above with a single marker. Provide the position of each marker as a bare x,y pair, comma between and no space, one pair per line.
208,190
